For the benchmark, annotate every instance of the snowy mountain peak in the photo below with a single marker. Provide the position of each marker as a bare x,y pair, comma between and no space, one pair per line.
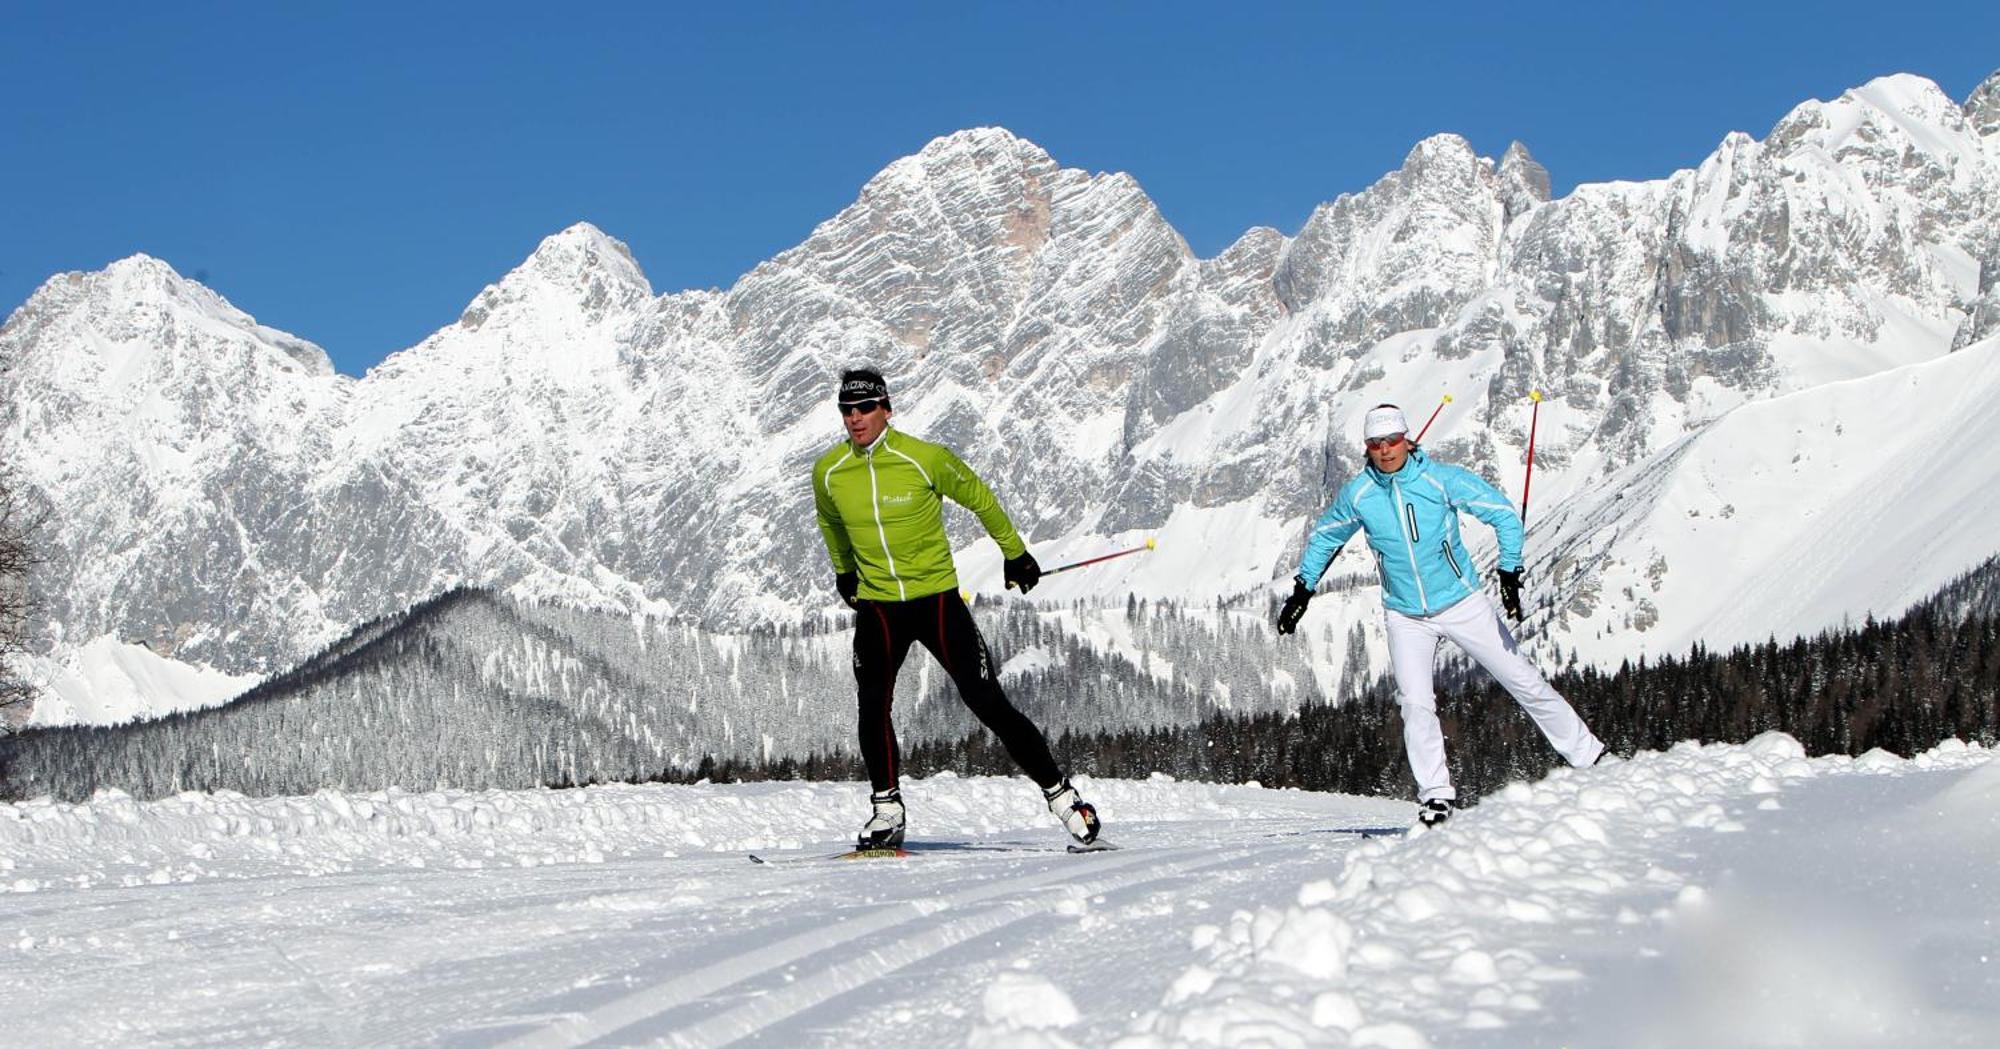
1441,153
977,165
1885,116
1920,108
982,145
1905,90
1524,182
581,269
143,271
144,281
1982,107
141,305
954,231
1517,156
584,252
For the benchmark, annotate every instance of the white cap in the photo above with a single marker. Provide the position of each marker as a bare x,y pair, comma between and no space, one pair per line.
1383,421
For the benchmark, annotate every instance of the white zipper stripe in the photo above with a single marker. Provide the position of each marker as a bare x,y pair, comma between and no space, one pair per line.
875,503
826,479
920,468
1343,522
1450,502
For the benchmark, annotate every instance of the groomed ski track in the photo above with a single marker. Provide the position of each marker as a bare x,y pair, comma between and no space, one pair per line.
1019,896
695,949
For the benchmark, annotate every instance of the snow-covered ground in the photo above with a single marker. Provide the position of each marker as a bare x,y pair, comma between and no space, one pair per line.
1711,895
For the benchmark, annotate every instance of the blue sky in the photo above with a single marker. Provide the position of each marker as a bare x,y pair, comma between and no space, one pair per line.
356,173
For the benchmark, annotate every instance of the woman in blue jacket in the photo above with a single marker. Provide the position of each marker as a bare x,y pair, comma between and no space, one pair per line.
1409,507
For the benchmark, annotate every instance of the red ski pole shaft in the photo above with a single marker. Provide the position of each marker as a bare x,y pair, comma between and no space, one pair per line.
1432,419
1534,417
1106,557
1150,544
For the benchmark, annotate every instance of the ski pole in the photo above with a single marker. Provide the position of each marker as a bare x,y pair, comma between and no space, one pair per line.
1150,544
1432,419
1534,416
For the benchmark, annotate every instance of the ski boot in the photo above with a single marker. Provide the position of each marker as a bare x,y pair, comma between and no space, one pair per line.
884,829
1435,811
1078,816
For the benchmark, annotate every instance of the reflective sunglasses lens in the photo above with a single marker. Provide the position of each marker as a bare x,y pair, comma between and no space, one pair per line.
860,407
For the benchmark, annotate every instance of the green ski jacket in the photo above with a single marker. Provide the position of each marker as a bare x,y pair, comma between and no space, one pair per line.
881,510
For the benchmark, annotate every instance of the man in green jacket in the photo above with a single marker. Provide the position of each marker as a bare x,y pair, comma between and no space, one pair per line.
880,501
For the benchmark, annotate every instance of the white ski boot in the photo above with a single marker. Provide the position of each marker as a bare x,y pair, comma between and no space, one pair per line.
1078,816
1435,811
884,829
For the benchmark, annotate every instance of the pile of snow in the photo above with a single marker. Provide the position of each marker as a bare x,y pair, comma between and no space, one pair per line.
1486,923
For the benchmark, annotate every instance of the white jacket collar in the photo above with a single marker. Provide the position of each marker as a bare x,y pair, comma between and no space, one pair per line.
869,448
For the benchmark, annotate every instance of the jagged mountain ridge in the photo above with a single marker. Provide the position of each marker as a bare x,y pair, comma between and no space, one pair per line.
573,437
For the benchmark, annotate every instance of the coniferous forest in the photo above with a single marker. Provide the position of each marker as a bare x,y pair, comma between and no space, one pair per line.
474,690
1902,686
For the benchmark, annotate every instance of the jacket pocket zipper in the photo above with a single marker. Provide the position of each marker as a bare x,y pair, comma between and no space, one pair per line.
1450,560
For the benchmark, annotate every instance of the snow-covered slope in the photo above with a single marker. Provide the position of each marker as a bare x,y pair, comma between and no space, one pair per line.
221,495
167,431
1710,895
105,682
1796,513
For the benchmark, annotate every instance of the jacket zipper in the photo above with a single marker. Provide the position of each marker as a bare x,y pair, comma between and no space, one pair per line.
1445,545
875,503
1410,548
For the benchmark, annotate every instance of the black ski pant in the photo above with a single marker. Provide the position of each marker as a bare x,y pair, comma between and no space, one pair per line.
943,624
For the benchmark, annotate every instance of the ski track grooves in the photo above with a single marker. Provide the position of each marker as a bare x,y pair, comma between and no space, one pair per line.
880,960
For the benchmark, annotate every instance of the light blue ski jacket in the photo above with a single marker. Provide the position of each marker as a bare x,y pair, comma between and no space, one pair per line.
1412,521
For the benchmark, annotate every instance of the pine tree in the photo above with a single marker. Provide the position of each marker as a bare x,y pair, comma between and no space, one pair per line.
19,523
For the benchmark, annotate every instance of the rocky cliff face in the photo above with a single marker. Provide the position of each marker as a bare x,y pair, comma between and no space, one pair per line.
220,493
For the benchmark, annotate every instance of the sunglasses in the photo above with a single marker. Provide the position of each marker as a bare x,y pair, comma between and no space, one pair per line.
1385,442
859,407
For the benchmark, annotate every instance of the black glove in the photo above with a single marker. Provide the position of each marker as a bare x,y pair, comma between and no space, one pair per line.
849,584
1510,592
1295,606
1022,571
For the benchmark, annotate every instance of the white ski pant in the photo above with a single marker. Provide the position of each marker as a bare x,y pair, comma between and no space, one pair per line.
1473,626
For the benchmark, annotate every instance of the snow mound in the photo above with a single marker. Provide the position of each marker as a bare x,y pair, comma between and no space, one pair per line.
1970,806
1468,927
1023,1011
